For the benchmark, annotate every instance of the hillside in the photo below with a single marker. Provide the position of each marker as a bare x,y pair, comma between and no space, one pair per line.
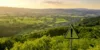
23,11
91,21
53,38
47,29
17,25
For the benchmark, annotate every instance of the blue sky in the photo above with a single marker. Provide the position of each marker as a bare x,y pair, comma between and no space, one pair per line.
91,4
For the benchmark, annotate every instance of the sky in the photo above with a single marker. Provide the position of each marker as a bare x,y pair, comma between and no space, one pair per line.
42,4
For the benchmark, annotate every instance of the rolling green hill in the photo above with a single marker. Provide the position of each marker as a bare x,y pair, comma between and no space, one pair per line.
10,26
53,38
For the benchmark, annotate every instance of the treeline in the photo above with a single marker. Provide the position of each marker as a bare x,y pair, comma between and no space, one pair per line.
94,21
52,39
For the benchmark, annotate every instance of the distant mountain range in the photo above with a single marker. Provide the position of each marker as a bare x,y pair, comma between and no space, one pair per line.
22,11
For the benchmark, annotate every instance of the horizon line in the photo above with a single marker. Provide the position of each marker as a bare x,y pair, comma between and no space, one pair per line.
49,8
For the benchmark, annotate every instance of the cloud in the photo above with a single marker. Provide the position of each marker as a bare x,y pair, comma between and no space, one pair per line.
61,2
53,2
91,1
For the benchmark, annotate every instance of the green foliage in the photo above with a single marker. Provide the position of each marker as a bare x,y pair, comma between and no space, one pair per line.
38,44
6,43
89,32
39,36
91,21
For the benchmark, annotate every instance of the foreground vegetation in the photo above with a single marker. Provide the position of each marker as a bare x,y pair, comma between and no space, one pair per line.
48,34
